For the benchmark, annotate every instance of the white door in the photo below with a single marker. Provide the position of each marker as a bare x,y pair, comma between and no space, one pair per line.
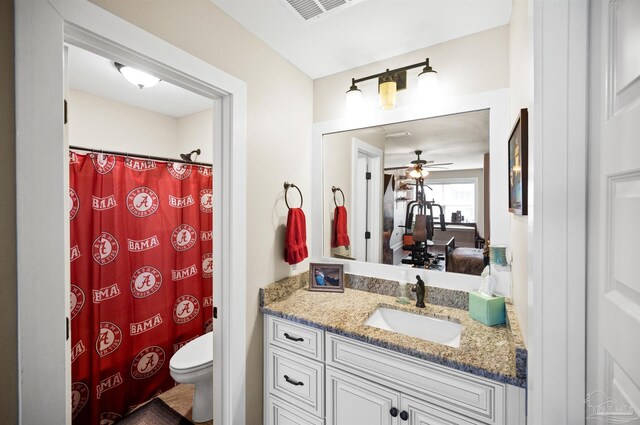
613,231
354,401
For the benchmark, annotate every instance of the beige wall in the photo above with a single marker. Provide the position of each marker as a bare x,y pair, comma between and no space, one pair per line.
95,122
195,131
99,123
8,288
471,64
337,171
521,83
278,138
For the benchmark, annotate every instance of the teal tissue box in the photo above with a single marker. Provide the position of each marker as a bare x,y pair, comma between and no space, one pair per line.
486,310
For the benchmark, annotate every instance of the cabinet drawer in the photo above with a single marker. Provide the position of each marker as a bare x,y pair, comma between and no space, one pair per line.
295,379
294,337
467,394
421,413
281,413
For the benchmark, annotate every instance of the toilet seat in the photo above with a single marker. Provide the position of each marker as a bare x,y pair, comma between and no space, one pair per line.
194,356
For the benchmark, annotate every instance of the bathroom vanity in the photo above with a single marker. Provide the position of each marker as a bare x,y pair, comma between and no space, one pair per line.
324,365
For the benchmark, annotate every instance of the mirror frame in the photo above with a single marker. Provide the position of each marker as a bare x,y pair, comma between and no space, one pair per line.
497,101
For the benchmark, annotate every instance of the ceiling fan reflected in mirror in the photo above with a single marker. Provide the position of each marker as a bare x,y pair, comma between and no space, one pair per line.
417,169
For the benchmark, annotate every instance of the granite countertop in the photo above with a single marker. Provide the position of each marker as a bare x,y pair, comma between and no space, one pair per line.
491,352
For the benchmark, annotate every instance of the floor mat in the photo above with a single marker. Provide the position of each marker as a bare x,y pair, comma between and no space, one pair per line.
156,412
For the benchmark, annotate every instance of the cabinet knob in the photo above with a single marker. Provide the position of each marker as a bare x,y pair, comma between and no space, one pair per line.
393,412
404,415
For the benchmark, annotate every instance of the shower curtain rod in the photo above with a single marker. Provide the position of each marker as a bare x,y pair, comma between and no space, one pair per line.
155,158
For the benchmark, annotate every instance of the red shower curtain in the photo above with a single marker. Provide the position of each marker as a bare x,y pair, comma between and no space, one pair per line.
141,277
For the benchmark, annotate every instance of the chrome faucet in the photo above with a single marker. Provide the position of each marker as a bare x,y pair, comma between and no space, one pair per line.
421,291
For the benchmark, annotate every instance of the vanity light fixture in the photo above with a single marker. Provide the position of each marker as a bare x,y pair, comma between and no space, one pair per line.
136,77
390,82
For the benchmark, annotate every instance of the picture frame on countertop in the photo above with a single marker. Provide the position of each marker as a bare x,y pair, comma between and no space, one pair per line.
326,277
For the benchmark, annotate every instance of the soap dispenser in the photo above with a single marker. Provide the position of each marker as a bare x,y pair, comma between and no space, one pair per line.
403,289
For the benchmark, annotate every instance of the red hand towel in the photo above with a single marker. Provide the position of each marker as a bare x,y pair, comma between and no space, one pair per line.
295,243
339,236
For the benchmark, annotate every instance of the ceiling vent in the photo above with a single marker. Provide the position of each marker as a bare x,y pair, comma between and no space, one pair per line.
312,10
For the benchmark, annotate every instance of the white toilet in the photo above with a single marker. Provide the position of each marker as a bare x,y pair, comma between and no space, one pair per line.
193,364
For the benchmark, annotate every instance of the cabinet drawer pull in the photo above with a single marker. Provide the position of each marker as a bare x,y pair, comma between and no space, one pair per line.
293,338
404,415
393,412
292,381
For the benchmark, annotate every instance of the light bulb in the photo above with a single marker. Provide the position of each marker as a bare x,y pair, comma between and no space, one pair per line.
353,100
418,173
427,82
388,90
137,77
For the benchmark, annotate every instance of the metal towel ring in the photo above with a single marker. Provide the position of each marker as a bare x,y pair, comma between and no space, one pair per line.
287,185
334,190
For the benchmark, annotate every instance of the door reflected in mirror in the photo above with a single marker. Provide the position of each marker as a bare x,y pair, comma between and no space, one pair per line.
410,194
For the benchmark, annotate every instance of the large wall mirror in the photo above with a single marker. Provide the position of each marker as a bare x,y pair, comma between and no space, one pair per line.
425,193
413,193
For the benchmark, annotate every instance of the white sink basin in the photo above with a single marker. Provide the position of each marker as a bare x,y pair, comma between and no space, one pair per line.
423,327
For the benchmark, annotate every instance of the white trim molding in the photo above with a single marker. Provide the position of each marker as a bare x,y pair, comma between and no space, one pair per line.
557,221
42,28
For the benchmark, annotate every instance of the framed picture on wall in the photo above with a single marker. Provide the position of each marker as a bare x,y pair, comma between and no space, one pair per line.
326,277
518,162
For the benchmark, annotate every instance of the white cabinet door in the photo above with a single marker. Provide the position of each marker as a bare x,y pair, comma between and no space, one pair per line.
354,401
421,413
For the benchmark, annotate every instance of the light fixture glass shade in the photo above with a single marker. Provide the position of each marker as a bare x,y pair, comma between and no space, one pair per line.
388,91
418,173
353,100
137,77
427,82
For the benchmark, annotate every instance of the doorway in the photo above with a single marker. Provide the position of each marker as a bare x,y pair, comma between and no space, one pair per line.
42,28
135,187
366,204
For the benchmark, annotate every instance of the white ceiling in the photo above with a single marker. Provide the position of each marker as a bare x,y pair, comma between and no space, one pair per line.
96,75
365,32
462,139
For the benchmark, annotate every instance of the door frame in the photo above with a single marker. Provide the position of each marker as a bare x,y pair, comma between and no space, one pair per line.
557,220
42,28
375,193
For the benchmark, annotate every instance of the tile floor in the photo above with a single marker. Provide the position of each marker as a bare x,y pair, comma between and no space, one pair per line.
180,399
